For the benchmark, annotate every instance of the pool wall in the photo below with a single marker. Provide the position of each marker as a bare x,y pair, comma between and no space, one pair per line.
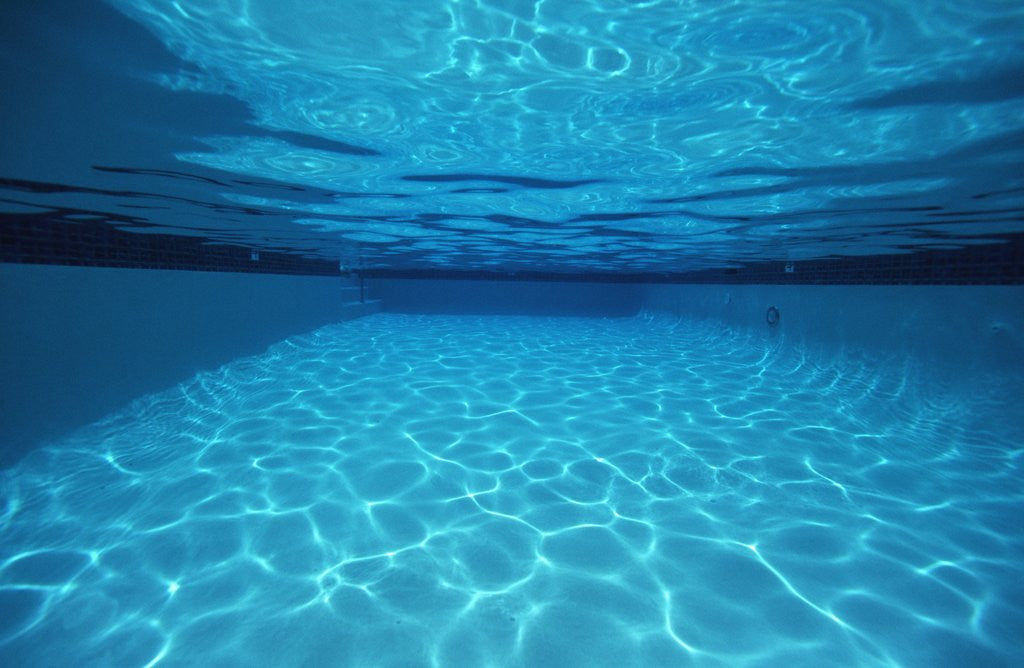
507,297
79,342
954,329
951,329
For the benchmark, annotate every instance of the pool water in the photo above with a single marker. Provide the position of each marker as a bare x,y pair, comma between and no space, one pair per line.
459,490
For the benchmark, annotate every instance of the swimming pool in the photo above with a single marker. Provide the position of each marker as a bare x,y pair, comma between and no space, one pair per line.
502,332
511,490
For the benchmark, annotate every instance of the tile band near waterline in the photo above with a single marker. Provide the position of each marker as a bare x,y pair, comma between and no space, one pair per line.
43,239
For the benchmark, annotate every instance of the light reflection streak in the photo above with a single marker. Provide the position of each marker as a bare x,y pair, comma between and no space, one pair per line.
476,484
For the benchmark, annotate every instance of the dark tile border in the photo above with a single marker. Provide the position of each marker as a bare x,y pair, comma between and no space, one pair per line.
40,240
47,239
997,263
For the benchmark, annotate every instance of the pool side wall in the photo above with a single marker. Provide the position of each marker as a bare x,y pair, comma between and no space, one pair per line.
77,343
487,297
954,330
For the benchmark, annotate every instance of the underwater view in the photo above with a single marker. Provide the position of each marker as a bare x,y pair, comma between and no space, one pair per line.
515,490
515,135
512,333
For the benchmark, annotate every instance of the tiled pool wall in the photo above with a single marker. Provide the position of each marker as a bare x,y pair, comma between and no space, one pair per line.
954,331
951,329
79,342
493,297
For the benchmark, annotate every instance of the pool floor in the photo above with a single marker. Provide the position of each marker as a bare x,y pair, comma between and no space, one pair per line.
407,490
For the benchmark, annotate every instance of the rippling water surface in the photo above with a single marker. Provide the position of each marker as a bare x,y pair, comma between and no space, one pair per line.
415,490
555,135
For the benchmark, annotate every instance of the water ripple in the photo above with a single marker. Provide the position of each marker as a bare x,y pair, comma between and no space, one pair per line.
638,103
524,491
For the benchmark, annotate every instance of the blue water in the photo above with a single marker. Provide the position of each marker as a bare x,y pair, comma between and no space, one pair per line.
406,490
566,136
458,490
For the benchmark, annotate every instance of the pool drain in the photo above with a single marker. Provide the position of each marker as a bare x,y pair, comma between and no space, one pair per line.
772,316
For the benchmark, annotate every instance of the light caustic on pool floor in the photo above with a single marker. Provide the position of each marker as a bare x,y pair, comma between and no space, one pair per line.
408,490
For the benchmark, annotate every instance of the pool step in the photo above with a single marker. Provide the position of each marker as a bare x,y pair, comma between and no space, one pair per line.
355,301
357,309
351,293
